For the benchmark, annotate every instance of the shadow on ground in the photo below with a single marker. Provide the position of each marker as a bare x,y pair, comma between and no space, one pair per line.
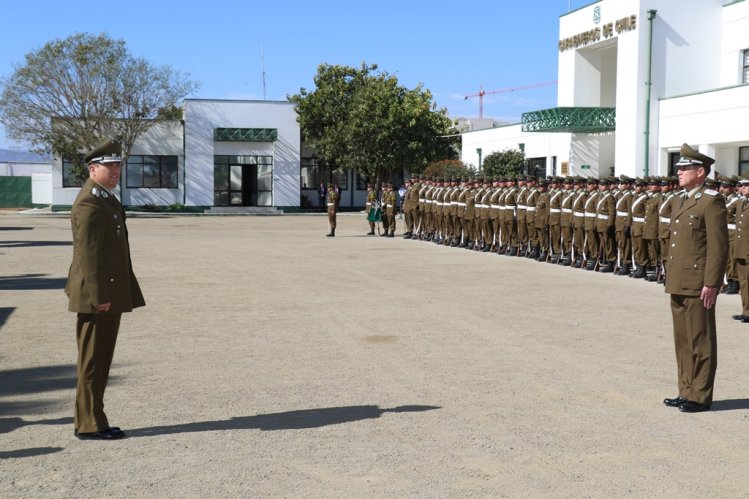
35,451
31,282
729,405
291,420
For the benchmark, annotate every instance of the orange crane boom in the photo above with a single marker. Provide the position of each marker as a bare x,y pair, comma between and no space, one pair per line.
483,92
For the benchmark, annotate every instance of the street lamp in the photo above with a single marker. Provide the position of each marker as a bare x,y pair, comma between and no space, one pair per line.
478,151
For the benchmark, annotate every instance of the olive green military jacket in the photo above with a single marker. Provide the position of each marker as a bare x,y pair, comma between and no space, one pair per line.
699,243
101,271
605,211
624,211
652,206
741,234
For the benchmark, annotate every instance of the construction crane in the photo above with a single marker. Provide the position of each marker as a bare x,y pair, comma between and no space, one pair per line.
483,92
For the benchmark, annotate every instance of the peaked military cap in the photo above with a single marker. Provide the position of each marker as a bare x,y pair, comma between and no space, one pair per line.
109,151
640,181
690,157
743,179
591,180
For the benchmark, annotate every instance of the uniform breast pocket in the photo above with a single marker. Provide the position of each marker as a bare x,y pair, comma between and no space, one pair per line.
695,227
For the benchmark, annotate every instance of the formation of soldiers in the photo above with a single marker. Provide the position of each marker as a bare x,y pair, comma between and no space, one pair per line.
614,224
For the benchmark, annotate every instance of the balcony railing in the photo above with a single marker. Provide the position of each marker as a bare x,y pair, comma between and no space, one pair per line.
570,120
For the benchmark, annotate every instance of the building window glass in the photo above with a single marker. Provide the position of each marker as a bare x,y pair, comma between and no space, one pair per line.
745,66
151,172
68,178
361,182
341,178
743,160
310,173
243,180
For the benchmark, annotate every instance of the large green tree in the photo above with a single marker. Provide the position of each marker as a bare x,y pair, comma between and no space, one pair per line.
74,92
506,162
363,119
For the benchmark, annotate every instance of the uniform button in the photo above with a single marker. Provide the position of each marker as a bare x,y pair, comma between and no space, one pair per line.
673,245
695,265
111,280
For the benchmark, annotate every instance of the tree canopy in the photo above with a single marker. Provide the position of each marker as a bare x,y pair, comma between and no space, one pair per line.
506,162
361,118
72,93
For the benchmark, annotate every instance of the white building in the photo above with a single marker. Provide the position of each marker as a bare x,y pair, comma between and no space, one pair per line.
638,78
224,153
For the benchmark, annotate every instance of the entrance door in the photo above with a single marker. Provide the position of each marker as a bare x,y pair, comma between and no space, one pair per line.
242,185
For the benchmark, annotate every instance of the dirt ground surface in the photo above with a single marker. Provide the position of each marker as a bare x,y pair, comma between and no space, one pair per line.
271,361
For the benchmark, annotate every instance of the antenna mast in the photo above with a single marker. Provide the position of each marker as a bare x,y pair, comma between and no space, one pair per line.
262,66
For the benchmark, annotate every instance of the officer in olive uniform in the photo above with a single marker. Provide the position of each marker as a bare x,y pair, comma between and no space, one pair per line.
605,226
694,274
650,229
591,234
332,202
389,207
727,188
578,221
369,206
101,286
623,224
741,246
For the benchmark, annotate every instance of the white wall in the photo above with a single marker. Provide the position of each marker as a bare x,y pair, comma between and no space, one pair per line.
12,169
733,41
537,145
163,139
202,116
41,188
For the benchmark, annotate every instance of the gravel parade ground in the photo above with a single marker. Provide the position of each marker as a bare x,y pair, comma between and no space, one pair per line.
271,361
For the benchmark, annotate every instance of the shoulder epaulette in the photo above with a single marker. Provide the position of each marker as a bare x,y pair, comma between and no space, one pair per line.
710,192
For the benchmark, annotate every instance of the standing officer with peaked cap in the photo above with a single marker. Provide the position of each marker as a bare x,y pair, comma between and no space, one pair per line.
694,273
101,286
741,247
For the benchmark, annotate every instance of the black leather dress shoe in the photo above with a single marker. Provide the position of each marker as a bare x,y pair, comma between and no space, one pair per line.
108,434
690,406
745,319
676,402
737,317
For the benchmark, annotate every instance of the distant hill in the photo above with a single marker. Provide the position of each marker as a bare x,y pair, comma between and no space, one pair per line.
15,156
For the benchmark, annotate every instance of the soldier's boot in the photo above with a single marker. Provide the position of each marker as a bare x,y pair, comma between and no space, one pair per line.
332,233
567,261
512,251
732,287
485,248
370,233
555,258
650,274
590,265
407,235
543,256
384,234
639,272
392,233
625,269
606,268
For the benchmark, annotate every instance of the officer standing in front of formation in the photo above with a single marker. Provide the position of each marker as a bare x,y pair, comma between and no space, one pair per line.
101,286
369,206
332,203
695,270
389,208
741,247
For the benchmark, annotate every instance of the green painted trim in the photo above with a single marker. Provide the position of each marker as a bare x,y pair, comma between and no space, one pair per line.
731,2
245,134
570,120
719,89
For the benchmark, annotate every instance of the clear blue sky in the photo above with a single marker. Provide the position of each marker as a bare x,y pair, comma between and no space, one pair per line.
449,47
